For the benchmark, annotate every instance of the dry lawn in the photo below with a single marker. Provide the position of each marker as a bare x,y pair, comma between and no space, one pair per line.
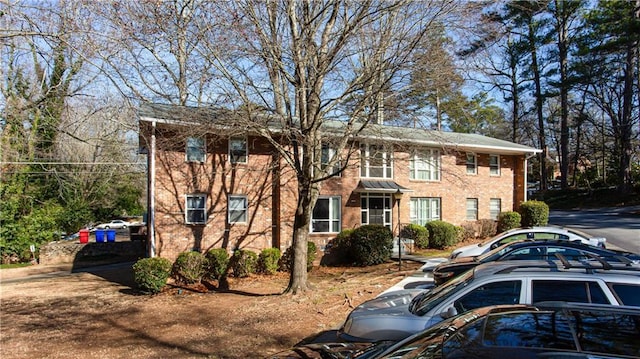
97,314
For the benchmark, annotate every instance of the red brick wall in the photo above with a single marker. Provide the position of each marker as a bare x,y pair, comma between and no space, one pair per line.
175,178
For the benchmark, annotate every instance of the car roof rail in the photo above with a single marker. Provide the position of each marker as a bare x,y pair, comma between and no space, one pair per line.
564,263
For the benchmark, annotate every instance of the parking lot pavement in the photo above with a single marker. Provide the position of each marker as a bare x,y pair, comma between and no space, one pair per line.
422,278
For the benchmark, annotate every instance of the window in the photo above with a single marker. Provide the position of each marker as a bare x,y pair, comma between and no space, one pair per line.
629,294
237,209
531,330
195,149
425,165
472,164
238,150
472,209
328,154
375,162
423,210
568,291
494,165
326,215
195,209
495,207
506,292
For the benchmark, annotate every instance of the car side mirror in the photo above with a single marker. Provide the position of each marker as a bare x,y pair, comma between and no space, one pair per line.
450,312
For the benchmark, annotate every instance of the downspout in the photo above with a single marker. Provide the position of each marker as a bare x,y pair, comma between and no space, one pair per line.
526,175
151,225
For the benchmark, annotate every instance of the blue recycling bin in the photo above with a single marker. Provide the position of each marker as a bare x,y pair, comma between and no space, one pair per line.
99,235
111,235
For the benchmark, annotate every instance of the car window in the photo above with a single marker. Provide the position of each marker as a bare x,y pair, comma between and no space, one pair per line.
568,253
509,239
464,341
505,292
530,329
611,333
425,301
524,253
628,294
566,290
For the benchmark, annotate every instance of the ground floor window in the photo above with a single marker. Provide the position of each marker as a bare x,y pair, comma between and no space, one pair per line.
495,207
472,209
195,212
424,209
237,209
326,215
375,208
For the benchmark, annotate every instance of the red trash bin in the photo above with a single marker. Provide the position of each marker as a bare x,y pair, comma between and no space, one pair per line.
84,236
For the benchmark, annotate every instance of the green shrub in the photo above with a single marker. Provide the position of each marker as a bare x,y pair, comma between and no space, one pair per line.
419,234
534,213
268,260
189,267
285,263
508,220
370,245
488,228
442,234
151,274
244,262
337,251
217,263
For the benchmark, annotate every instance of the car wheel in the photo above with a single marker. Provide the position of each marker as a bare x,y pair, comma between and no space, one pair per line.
106,227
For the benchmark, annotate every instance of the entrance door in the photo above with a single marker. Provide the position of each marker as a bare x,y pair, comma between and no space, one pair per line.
376,209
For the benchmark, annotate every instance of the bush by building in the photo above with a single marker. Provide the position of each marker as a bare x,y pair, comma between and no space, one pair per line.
534,213
151,274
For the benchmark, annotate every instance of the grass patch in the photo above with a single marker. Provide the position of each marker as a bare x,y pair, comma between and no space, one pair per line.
15,265
433,253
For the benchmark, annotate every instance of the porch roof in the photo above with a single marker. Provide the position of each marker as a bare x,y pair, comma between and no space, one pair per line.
380,186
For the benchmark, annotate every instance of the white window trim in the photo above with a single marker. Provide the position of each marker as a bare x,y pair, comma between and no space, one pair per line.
475,163
331,154
387,159
435,210
425,156
204,150
491,209
246,208
332,218
246,149
387,212
187,209
475,209
496,167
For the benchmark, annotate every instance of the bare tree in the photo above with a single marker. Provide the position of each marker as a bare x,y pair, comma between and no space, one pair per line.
297,64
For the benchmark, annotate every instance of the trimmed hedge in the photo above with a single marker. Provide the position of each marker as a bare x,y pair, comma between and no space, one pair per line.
508,220
151,274
189,267
370,245
285,263
244,262
534,213
268,260
442,234
419,234
217,263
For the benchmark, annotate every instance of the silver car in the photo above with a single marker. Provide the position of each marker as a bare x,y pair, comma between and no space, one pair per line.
399,314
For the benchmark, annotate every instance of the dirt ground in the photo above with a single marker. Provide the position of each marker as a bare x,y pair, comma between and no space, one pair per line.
96,313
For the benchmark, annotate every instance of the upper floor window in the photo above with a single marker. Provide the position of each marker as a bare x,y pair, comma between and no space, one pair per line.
495,207
425,165
328,154
195,206
494,165
195,150
326,215
423,210
238,150
472,164
375,161
237,206
472,209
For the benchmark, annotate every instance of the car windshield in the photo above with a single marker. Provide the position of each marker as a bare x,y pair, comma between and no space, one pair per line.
425,301
494,254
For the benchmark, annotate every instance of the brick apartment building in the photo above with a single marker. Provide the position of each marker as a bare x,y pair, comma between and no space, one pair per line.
220,189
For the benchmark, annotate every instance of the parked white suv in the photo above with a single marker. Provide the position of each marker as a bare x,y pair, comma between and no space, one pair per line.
528,233
400,314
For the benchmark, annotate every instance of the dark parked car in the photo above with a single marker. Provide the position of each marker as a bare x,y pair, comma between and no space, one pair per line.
532,250
547,330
